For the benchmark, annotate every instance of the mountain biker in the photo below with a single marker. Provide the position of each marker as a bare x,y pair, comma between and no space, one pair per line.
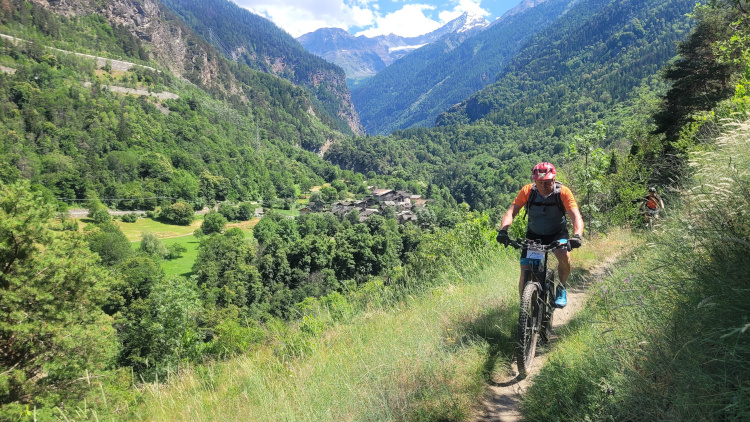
547,202
650,204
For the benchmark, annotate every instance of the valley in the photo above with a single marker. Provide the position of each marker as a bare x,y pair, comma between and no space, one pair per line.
213,222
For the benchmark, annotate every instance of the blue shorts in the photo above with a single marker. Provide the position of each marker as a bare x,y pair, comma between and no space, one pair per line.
544,240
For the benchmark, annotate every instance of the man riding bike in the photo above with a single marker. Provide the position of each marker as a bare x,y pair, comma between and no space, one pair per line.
547,202
650,204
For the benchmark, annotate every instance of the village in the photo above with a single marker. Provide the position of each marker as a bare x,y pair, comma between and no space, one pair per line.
403,204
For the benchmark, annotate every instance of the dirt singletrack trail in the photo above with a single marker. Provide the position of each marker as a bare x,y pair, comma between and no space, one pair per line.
502,401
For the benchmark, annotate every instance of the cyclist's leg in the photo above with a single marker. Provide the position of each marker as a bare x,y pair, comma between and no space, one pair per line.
563,265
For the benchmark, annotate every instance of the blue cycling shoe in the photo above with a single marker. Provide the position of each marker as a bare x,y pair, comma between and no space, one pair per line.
562,298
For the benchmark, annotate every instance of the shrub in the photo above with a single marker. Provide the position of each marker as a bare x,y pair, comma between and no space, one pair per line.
130,218
175,251
213,223
179,213
101,216
152,245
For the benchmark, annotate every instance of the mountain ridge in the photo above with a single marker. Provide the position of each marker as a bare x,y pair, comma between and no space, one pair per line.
417,88
362,56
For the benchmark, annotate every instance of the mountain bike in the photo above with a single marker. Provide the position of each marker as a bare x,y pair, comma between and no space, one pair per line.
537,301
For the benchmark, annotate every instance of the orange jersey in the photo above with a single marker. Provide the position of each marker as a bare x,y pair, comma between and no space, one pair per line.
566,196
652,202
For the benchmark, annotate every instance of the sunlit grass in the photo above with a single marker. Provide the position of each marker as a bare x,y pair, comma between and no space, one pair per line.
428,357
134,231
664,334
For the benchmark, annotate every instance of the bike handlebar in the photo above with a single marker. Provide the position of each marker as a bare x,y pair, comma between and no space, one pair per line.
557,244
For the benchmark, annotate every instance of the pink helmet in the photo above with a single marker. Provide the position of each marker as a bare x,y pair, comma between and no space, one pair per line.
543,171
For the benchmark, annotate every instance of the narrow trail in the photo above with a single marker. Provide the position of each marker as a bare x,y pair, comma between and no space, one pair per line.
502,401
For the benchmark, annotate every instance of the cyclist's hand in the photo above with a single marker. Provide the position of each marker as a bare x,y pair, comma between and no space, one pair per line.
503,238
575,241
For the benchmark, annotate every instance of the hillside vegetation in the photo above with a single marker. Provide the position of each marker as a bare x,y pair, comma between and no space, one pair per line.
415,89
580,91
62,128
256,42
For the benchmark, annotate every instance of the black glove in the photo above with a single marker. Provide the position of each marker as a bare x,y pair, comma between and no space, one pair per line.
575,241
503,238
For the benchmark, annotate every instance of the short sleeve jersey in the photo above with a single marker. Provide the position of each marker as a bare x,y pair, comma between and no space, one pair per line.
566,196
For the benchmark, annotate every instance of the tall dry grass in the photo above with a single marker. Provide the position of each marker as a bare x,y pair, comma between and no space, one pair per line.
667,335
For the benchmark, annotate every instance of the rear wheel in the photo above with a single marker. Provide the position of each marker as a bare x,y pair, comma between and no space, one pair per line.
529,323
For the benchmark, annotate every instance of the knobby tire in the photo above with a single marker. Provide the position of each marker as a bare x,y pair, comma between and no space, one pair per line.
546,331
529,324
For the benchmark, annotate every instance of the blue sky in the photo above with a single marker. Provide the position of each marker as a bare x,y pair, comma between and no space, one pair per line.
407,18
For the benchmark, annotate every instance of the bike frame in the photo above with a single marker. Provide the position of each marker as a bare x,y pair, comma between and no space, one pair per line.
537,301
537,255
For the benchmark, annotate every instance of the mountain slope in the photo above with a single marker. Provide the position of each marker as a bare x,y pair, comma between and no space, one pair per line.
420,86
590,60
362,56
231,134
255,41
590,65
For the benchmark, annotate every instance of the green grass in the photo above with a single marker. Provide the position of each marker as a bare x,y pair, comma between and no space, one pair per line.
134,231
665,337
427,357
182,266
294,212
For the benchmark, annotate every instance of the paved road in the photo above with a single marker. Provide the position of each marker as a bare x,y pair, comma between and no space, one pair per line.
100,61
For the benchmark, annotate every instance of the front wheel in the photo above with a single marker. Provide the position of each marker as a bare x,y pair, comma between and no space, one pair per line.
547,314
529,323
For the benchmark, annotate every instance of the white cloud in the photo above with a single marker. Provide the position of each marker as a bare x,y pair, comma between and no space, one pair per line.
302,16
409,21
472,6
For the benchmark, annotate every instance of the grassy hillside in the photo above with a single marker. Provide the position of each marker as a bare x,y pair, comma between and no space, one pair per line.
666,337
424,357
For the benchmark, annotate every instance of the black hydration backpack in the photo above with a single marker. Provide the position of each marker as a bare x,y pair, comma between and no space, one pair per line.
557,195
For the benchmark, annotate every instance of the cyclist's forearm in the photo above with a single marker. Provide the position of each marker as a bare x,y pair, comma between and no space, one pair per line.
575,217
509,216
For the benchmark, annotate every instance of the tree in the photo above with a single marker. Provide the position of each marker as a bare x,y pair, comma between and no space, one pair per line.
225,273
229,212
109,242
179,213
329,194
245,211
52,327
213,222
152,245
699,79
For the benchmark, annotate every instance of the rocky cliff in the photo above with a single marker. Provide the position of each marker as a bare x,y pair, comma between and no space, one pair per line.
179,49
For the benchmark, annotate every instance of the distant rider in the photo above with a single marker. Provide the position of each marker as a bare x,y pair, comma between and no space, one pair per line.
650,204
547,202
